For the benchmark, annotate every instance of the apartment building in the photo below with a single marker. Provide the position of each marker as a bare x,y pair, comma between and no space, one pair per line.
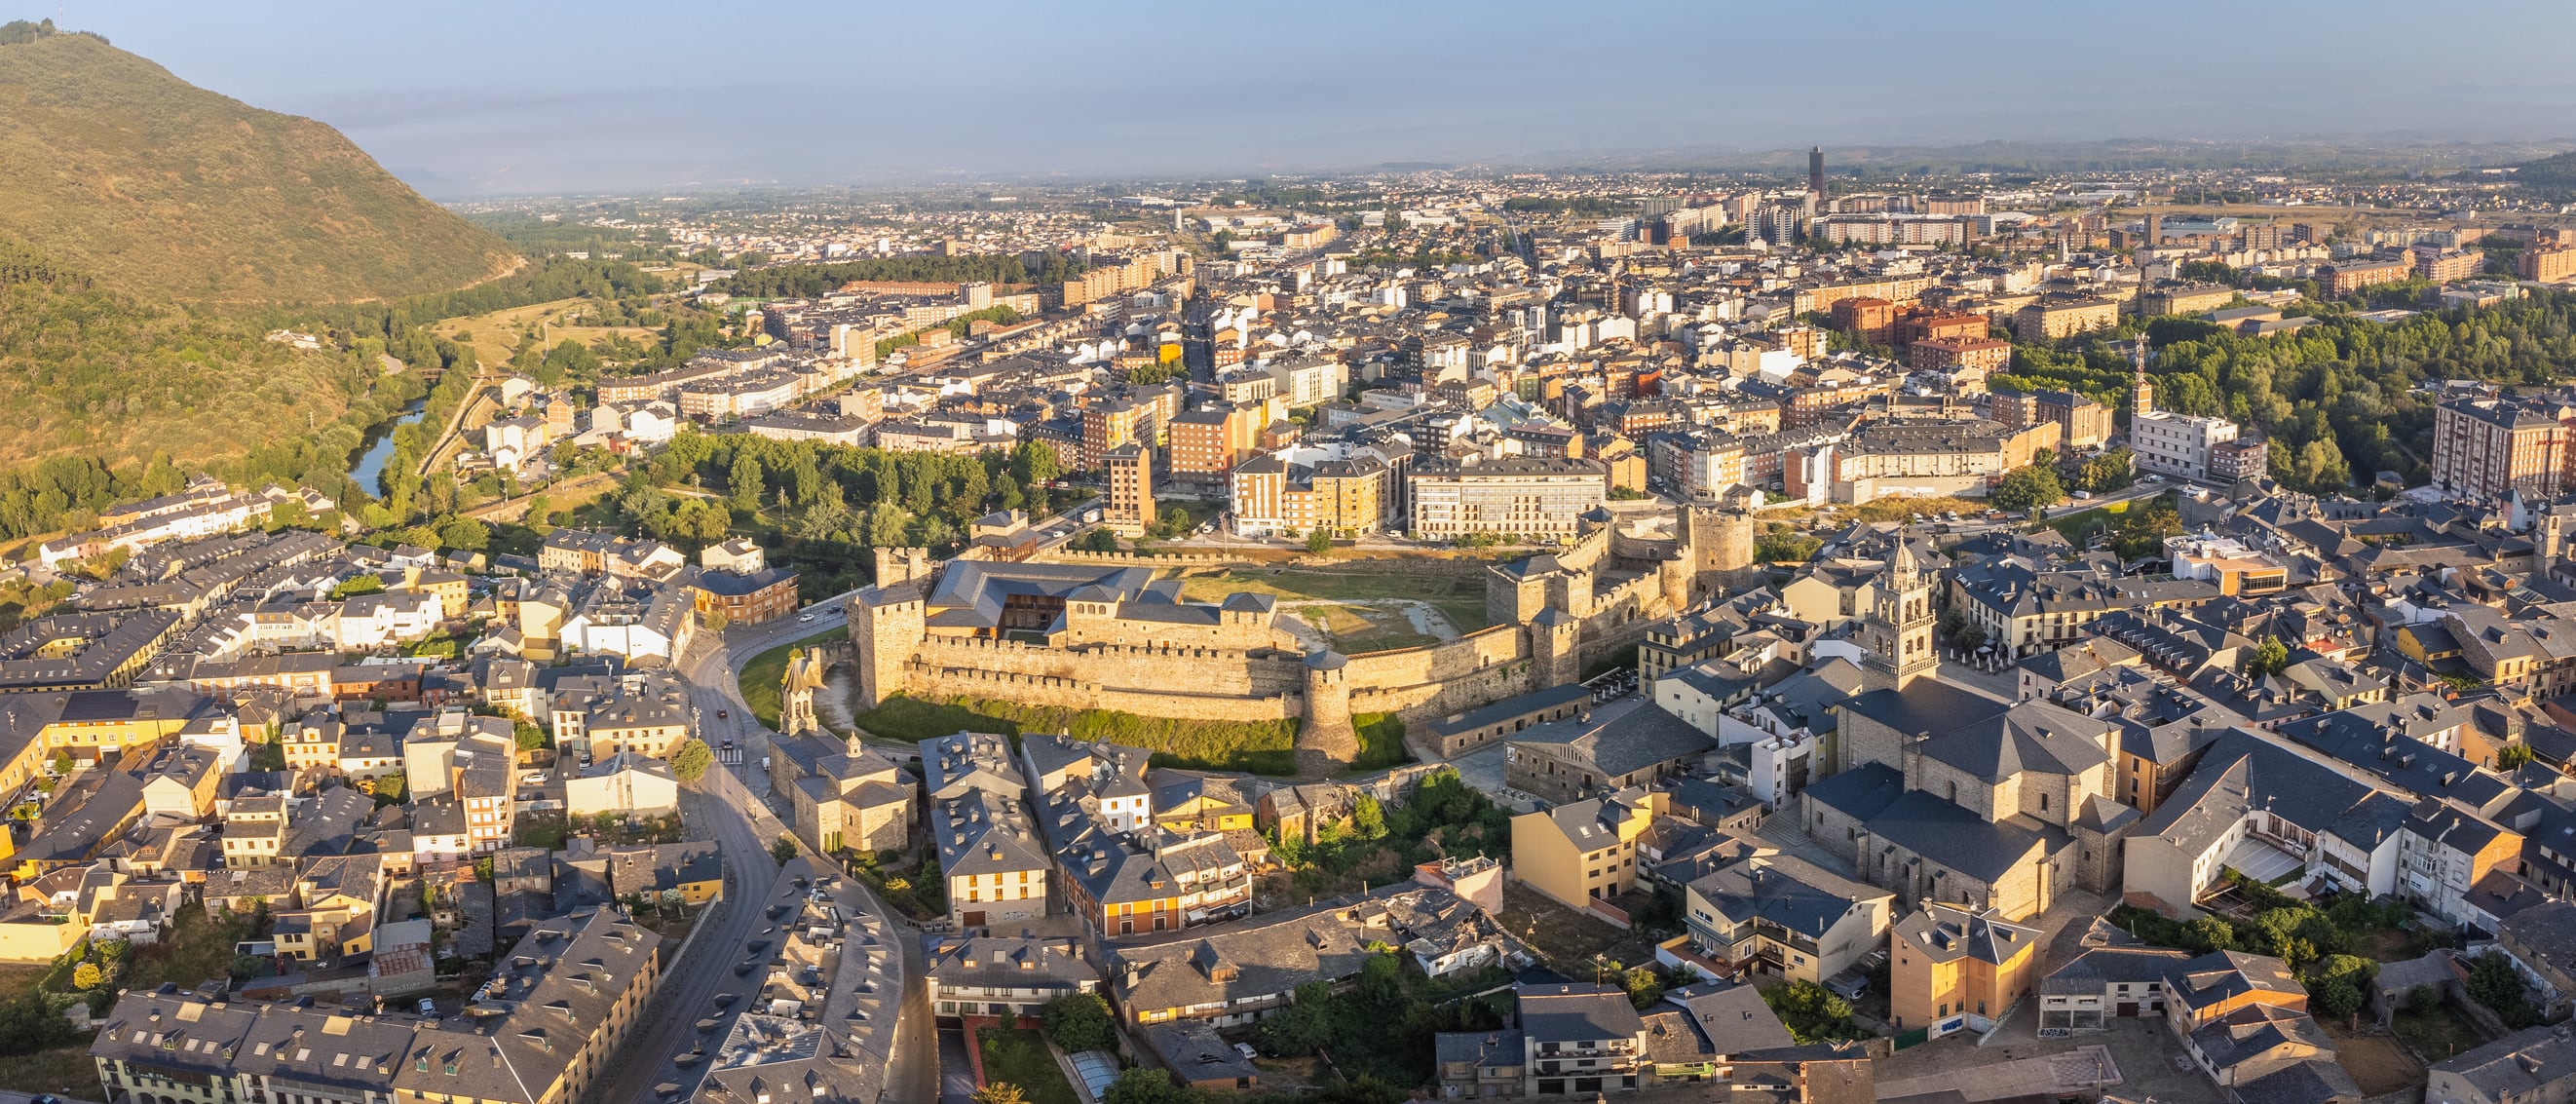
2346,277
2081,421
1130,507
1584,851
2052,319
1535,498
1957,969
2484,446
1951,354
2548,266
2179,445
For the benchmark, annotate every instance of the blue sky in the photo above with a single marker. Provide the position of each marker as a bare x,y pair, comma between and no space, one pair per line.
467,96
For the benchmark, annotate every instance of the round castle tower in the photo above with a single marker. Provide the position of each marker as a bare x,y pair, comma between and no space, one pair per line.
1328,741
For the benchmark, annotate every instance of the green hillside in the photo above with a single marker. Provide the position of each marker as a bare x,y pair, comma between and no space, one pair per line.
2549,176
154,187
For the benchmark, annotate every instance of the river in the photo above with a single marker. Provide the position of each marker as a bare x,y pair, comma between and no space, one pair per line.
379,448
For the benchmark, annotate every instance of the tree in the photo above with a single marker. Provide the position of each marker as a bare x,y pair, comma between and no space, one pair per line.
87,976
1096,540
2032,488
2209,933
359,584
745,483
2108,472
1144,1086
783,850
1320,541
999,1092
691,760
464,533
2512,756
1812,1013
1643,986
529,737
2495,983
1369,817
2335,998
2269,658
1078,1022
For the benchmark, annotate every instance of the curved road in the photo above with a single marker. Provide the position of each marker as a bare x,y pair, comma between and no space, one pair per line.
743,828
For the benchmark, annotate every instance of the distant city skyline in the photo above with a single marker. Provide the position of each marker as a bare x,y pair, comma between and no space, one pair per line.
494,99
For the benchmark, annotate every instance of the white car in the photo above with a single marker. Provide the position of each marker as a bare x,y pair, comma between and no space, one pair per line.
802,618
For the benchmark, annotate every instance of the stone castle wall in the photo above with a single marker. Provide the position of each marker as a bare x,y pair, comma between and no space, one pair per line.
928,680
1197,670
1430,682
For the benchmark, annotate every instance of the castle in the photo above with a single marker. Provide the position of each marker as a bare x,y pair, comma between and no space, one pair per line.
1091,631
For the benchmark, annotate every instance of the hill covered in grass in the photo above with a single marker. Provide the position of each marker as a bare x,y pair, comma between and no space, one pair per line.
151,186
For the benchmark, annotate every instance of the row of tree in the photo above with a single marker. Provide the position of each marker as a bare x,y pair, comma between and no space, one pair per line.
806,281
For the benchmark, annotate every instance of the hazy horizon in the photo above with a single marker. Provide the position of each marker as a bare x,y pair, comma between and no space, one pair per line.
494,100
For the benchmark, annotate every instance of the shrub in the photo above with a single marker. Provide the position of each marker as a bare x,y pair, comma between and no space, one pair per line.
1078,1022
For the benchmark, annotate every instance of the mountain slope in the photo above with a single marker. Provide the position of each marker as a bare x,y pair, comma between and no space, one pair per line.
155,187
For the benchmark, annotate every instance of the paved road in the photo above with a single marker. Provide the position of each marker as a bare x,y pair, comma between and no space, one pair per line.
733,803
689,988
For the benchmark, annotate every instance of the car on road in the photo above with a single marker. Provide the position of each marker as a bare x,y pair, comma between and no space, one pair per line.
428,1007
721,714
803,618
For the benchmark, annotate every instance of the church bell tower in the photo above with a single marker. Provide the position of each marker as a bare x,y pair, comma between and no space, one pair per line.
1898,630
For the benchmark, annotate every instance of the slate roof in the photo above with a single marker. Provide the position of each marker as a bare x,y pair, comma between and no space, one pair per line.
1926,705
1622,737
2028,736
2242,771
1564,1013
2518,1065
1796,894
1946,934
2099,967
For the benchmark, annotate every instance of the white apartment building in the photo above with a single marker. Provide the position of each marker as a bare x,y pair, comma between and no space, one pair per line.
1529,496
2173,444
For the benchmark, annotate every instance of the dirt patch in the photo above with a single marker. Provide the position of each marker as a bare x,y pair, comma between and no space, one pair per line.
1568,939
2377,1063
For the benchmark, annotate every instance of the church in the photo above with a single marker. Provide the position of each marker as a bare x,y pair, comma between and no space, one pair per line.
1946,795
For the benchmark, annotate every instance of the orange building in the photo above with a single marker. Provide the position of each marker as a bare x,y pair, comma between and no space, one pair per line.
1944,354
2549,266
1951,969
1939,326
1872,319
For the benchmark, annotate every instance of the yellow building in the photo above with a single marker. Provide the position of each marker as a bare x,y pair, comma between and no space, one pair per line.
1584,851
96,724
1951,969
1201,804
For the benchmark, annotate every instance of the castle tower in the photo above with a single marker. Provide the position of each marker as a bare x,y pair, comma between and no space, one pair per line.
1673,579
886,628
900,565
1556,647
1328,741
2142,398
1898,631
